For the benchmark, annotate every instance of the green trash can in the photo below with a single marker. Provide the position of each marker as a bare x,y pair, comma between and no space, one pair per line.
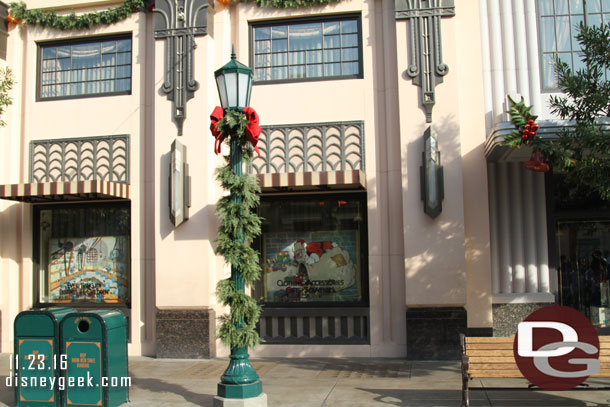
95,344
37,361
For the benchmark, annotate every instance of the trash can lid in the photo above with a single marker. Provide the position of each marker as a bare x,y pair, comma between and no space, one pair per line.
107,318
40,322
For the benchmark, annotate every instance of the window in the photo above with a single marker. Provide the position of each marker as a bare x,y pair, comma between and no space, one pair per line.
83,253
307,49
82,68
559,21
313,250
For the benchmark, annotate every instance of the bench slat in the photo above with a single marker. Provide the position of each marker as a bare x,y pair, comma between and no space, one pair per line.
501,345
491,352
490,359
491,366
494,373
488,339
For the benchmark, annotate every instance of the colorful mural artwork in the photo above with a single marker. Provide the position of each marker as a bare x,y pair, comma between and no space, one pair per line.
323,267
89,269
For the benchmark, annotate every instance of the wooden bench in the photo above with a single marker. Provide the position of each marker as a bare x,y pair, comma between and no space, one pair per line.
487,357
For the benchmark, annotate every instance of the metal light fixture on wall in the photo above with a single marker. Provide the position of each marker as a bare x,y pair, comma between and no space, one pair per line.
431,174
179,185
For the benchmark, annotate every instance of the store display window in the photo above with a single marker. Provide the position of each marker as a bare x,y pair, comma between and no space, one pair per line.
313,250
83,253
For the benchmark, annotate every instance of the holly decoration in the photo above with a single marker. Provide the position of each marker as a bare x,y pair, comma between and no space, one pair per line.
524,122
239,225
525,134
50,19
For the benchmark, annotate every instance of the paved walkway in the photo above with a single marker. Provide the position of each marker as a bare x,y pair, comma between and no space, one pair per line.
332,383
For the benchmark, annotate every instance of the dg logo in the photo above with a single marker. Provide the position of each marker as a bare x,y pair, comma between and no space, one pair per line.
556,348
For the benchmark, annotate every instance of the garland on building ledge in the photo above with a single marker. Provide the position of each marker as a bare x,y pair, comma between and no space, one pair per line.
72,21
239,224
290,3
545,151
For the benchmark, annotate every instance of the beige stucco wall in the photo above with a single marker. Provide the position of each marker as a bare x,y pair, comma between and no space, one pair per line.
83,117
413,260
447,258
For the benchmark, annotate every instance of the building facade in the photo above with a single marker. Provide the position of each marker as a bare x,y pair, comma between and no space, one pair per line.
392,213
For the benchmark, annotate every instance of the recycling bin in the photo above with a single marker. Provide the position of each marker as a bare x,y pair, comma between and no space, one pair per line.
36,363
95,345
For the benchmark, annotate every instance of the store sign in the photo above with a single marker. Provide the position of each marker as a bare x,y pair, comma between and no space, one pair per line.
316,269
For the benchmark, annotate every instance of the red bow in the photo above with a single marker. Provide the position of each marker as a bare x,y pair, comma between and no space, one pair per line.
215,117
253,129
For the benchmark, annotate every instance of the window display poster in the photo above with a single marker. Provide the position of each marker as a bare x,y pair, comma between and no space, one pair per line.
311,266
89,269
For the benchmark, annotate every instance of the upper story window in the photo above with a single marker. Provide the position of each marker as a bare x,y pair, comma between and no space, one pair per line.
85,67
307,49
559,21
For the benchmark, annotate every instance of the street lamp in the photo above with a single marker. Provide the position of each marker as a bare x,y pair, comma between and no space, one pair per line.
234,81
239,381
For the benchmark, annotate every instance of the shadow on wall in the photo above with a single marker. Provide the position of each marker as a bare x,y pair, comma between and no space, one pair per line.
435,245
8,226
201,225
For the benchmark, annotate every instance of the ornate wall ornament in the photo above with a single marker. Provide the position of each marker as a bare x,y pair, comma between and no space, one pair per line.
104,158
179,22
426,61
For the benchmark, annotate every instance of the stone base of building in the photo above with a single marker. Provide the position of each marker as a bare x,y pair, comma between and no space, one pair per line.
258,401
185,332
507,316
434,333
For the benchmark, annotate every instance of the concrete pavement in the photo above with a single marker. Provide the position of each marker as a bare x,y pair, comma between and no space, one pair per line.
332,383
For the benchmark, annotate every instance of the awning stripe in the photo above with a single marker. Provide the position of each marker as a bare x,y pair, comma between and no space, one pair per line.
49,191
296,180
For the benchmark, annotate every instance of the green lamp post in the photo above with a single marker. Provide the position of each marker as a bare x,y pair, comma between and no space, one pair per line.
234,81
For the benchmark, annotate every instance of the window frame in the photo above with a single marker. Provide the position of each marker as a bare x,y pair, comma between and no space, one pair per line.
361,196
40,45
573,53
37,281
304,20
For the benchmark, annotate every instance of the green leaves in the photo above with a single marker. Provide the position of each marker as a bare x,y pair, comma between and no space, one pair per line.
50,19
239,225
7,80
520,115
291,3
582,150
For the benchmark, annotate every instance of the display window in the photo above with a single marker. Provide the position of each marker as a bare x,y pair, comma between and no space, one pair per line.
581,222
584,272
83,253
313,250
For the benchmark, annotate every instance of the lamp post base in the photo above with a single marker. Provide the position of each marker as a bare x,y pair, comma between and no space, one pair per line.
240,391
258,401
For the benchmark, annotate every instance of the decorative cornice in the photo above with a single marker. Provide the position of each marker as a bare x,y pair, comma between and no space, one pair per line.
426,61
178,22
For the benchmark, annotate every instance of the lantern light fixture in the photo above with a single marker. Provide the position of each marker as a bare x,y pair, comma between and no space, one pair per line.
234,81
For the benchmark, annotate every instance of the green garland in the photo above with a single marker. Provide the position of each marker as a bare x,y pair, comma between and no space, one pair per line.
290,3
73,22
238,222
113,15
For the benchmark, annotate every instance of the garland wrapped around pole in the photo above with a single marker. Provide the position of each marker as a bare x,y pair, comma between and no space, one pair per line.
239,225
72,21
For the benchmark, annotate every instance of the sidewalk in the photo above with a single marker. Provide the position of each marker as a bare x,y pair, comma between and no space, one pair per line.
331,383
